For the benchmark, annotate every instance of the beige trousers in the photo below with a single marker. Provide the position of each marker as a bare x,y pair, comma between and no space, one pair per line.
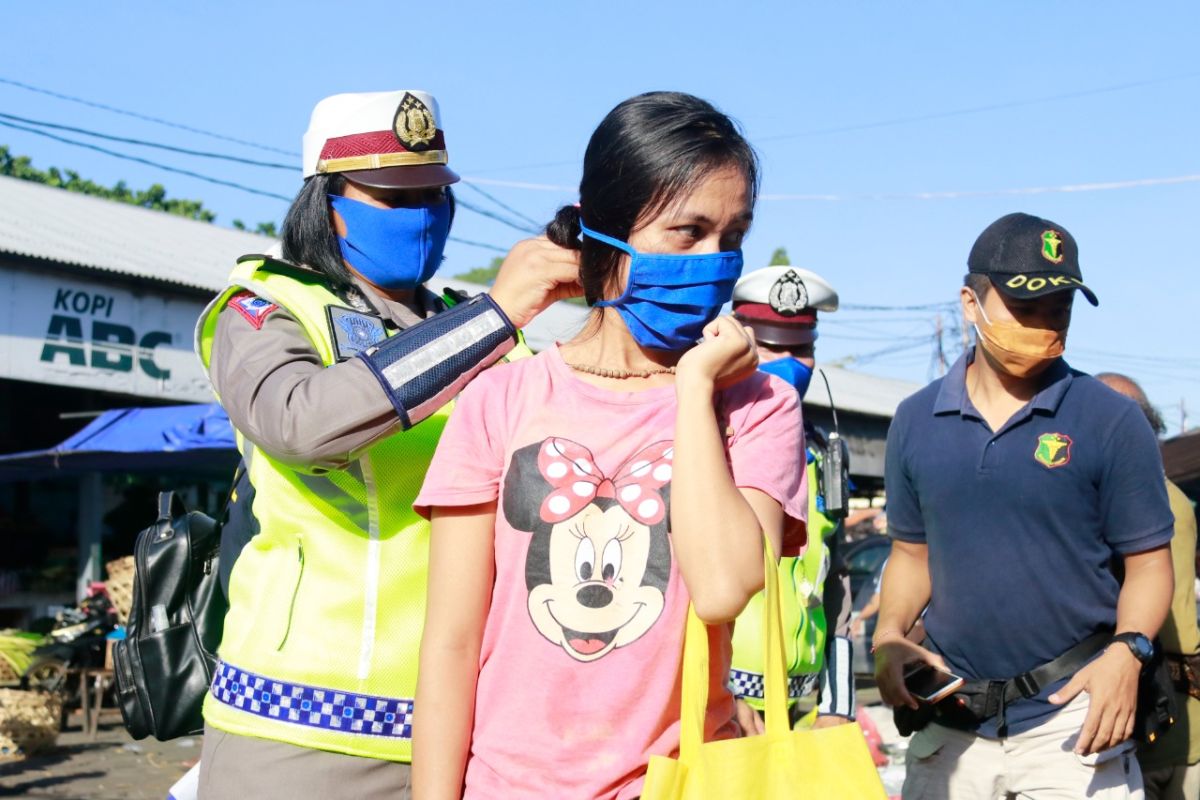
242,767
947,764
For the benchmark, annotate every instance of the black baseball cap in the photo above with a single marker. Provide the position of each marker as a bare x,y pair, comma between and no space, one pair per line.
1027,256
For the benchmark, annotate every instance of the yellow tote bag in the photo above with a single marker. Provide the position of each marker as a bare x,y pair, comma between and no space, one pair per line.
825,764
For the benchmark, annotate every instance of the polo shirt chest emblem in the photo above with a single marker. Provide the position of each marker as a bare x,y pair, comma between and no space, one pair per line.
1053,450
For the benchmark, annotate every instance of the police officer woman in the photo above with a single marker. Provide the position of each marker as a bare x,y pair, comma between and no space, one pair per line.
337,366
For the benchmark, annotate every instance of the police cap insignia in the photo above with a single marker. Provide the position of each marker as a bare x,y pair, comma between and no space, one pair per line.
414,124
788,294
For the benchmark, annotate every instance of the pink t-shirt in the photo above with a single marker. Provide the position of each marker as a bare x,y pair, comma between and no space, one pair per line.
579,665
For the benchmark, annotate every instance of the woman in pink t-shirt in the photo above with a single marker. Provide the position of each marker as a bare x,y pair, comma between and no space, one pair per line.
582,498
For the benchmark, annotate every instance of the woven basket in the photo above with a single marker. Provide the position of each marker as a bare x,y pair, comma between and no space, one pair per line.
7,673
120,586
28,723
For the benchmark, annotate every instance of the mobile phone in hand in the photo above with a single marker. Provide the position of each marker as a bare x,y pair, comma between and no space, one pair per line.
930,685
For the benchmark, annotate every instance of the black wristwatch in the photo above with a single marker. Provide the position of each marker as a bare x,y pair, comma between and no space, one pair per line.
1141,646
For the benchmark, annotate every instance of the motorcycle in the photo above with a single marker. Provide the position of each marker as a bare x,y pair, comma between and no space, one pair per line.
77,640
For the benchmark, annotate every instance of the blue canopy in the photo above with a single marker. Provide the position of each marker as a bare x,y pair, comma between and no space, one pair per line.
134,440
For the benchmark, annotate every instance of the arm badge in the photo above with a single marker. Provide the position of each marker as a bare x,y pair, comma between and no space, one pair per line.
353,331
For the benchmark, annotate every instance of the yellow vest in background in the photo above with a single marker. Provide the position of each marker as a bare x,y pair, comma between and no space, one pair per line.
802,587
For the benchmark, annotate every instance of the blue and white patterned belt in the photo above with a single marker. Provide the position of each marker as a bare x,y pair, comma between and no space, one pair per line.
750,684
328,709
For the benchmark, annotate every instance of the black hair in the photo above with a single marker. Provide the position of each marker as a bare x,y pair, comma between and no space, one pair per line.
308,236
978,283
649,151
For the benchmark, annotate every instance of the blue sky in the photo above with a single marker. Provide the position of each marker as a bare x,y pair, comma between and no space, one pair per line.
891,134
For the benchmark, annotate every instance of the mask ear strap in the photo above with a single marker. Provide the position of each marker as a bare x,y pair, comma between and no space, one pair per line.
608,240
617,243
979,306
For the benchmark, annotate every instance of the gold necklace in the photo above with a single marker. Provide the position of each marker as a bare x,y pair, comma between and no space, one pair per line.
619,374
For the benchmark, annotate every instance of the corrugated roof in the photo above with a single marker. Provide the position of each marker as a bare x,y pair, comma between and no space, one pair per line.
858,391
56,225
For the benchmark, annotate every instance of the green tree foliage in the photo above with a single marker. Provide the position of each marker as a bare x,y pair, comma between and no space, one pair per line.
485,276
780,258
154,198
265,228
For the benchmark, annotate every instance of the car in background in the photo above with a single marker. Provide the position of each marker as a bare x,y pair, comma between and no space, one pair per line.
862,559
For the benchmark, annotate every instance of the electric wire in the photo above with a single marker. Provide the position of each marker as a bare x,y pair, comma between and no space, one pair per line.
503,205
144,143
942,306
484,245
460,203
145,117
1121,87
232,184
147,162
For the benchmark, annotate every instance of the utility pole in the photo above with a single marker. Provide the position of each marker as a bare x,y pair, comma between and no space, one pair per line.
1182,416
941,350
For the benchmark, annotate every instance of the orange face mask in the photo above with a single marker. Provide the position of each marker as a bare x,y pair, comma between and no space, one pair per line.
1019,351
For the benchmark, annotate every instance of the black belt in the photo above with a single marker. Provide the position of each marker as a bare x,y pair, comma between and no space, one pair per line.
987,699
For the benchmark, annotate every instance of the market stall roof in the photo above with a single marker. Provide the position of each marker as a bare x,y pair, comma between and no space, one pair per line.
52,224
1181,459
134,440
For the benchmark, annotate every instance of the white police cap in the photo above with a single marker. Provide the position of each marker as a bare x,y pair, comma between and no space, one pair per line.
780,304
386,139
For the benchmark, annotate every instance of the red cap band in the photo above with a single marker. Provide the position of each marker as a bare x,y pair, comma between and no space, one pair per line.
370,144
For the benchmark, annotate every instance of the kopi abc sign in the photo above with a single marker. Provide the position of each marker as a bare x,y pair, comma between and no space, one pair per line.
89,334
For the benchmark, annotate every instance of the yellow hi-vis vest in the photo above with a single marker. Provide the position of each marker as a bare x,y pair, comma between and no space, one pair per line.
802,583
327,601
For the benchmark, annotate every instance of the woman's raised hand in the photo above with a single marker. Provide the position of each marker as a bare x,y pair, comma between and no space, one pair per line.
725,355
535,274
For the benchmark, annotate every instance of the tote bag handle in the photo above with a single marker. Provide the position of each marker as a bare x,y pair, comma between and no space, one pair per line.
693,701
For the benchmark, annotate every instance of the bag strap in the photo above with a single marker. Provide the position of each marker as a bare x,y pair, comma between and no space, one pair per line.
693,700
169,506
237,477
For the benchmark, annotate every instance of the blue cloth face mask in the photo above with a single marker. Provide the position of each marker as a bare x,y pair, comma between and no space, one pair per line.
393,248
794,371
670,298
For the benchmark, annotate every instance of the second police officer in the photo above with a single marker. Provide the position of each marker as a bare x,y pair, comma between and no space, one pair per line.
780,304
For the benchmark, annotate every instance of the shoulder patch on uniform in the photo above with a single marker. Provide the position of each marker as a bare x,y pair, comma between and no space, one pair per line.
353,331
253,308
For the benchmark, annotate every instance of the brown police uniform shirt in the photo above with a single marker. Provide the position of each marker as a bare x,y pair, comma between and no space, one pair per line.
278,393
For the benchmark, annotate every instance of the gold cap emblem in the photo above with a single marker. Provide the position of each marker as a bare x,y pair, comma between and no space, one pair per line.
414,124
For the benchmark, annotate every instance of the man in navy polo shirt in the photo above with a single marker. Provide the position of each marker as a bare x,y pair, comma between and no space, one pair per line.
1012,482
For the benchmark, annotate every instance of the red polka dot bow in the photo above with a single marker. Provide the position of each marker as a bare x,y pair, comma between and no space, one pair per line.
576,481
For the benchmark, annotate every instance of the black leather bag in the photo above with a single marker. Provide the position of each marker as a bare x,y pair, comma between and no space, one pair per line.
165,664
